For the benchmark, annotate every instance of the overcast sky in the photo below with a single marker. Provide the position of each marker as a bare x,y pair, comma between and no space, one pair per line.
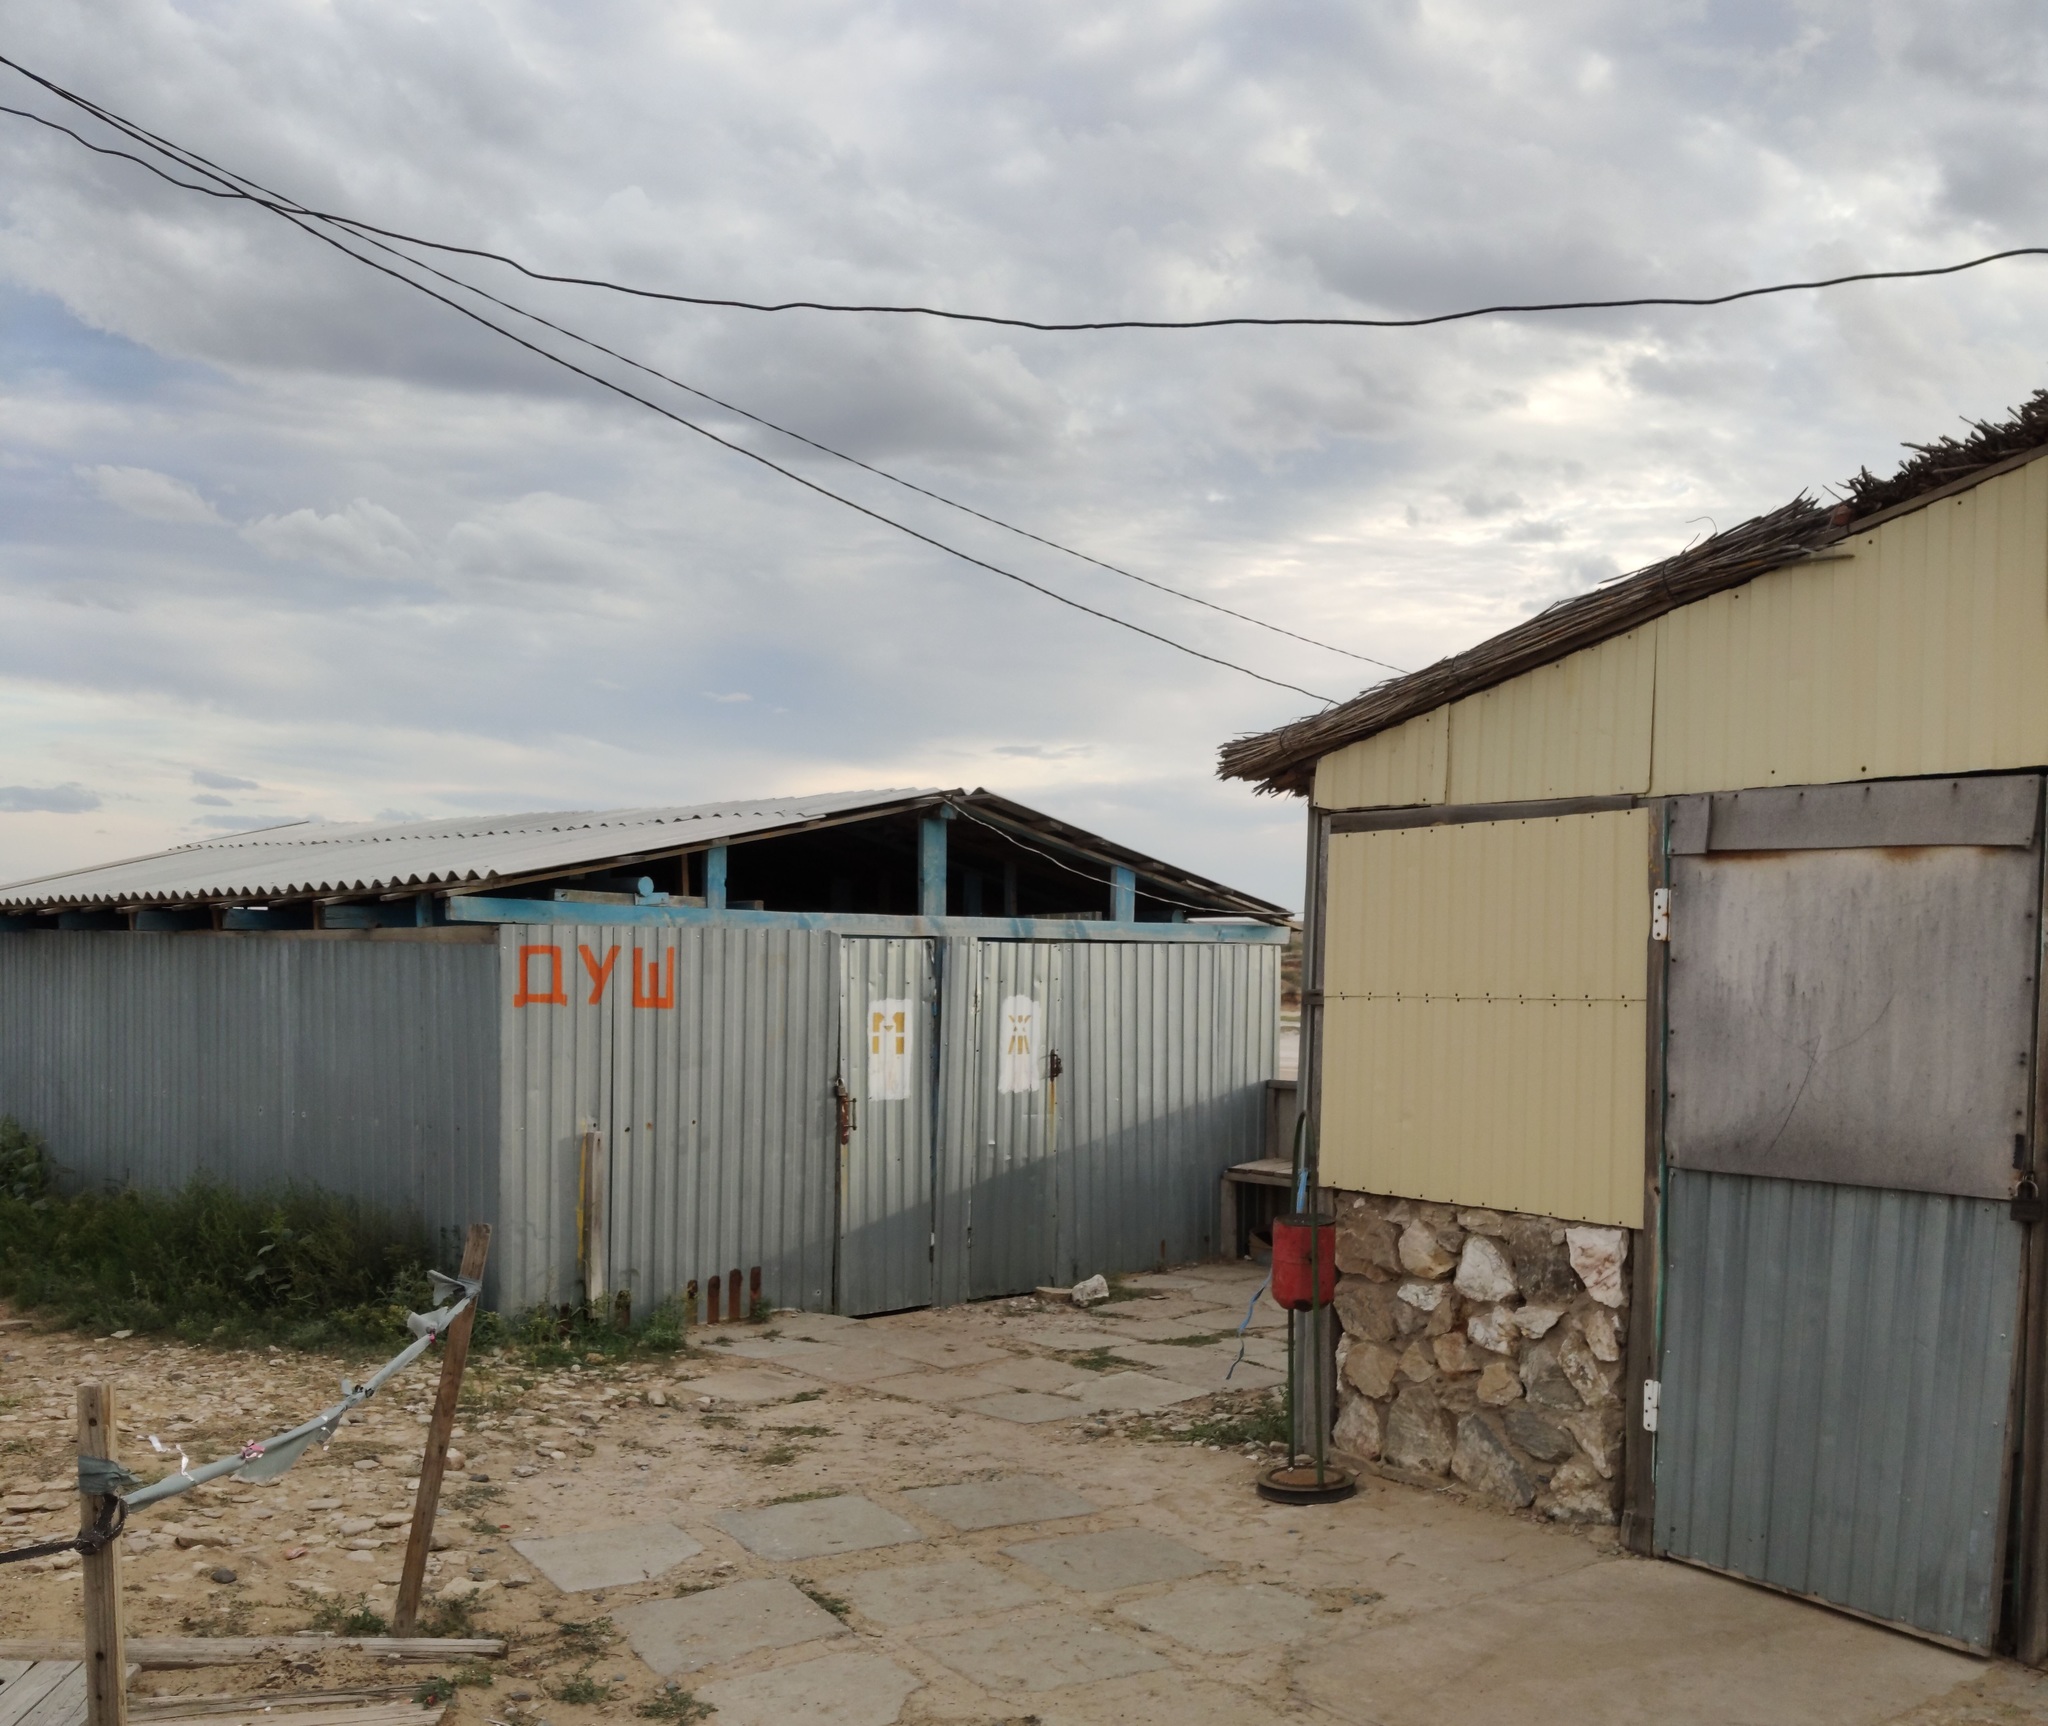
281,539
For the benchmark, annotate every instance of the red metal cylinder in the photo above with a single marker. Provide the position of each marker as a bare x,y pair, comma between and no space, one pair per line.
1304,1260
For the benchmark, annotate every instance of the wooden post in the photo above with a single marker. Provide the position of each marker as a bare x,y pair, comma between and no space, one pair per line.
455,1356
106,1664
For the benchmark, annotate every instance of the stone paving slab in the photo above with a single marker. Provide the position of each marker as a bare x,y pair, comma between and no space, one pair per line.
1040,1653
816,1326
720,1624
1118,1558
1000,1503
817,1527
845,1365
1205,1367
933,1351
608,1557
917,1593
1224,1617
773,1348
741,1384
832,1690
1074,1337
943,1386
1160,1329
1028,1372
1130,1392
1026,1407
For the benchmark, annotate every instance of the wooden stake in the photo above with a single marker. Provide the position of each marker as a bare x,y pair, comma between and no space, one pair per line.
455,1356
106,1669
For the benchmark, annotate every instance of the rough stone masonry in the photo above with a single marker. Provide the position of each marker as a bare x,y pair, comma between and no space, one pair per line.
1485,1345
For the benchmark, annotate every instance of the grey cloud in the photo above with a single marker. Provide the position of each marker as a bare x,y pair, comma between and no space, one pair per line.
208,800
214,781
70,798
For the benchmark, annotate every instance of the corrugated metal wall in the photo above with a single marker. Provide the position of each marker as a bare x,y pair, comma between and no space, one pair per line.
1834,1393
888,1011
1923,651
363,1067
717,1110
1484,1031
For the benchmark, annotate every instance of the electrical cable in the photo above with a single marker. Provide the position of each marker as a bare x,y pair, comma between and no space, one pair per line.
677,383
1505,309
292,216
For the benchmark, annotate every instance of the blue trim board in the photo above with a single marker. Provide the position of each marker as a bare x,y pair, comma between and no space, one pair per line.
474,908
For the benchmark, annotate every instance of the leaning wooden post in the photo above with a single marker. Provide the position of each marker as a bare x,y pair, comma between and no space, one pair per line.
106,1662
412,1579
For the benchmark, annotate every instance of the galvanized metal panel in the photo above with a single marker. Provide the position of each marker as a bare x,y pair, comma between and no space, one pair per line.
888,1010
1924,652
709,1084
1993,811
362,1067
1834,1403
1404,766
1863,1016
1484,1031
1166,1053
1012,1212
1579,728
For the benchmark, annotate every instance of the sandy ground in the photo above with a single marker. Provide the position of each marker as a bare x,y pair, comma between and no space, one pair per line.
1403,1605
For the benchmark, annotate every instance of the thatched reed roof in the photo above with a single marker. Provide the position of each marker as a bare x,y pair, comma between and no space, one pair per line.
1284,760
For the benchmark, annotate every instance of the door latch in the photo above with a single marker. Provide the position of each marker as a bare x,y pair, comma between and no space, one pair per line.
847,1110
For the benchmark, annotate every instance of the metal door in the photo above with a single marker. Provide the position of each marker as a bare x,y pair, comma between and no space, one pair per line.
887,1229
1850,1026
1010,1211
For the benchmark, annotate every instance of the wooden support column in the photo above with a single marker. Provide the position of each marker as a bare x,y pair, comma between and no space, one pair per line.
454,1357
106,1660
1646,1267
714,878
931,863
1123,894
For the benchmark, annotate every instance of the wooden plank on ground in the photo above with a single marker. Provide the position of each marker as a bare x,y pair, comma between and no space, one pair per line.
257,1712
175,1653
63,1704
33,1687
235,1702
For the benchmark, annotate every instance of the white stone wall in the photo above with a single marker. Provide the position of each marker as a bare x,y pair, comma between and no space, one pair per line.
1484,1345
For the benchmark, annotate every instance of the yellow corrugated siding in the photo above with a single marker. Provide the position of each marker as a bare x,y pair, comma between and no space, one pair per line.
1483,1033
1398,767
1579,728
1925,652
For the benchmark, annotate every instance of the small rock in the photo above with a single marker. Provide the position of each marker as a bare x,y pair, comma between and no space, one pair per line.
1453,1353
1578,1494
1494,1329
1589,1378
516,1581
1357,1432
1597,1256
657,1397
1090,1290
1367,1245
220,1573
527,1695
1482,1222
1543,1267
295,1552
1418,1364
1499,1383
1482,1460
1366,1309
368,1462
356,1524
1422,1296
1422,1254
1540,1436
478,1477
463,1588
1418,1436
456,1459
1371,1367
1598,1431
1537,1321
393,1519
1484,1273
188,1538
524,1469
1602,1330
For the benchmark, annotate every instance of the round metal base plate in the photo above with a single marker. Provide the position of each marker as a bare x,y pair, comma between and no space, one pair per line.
1296,1483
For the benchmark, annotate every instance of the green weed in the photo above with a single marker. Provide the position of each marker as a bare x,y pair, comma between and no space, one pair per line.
582,1689
676,1705
831,1602
803,1497
339,1617
586,1638
777,1455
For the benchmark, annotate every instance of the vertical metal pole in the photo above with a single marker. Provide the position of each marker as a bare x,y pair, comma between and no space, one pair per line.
106,1666
455,1356
1308,1181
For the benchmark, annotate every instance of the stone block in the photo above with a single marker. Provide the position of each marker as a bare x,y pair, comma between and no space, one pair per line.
1499,1383
1578,1494
1041,1652
942,1386
1482,1460
816,1528
918,1593
739,1384
1602,1329
1423,1254
1597,1256
1543,1266
1371,1367
1598,1431
1449,1313
1224,1617
1456,1396
1539,1434
1418,1433
1365,1309
1537,1321
938,1352
1423,1296
1367,1245
999,1503
1358,1428
1418,1363
1593,1381
1027,1372
1484,1273
1454,1354
1115,1559
1543,1380
1025,1407
1129,1392
1494,1329
608,1557
721,1624
833,1690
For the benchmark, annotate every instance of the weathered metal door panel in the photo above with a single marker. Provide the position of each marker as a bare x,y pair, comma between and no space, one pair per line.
887,1225
1834,1393
1861,1015
1012,1211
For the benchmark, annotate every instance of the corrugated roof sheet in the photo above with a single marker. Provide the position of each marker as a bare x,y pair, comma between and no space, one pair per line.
369,857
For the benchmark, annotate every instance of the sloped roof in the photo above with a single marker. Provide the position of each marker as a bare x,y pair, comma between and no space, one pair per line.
479,852
1284,759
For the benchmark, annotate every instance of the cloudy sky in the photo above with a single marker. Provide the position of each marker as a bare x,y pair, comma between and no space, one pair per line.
280,539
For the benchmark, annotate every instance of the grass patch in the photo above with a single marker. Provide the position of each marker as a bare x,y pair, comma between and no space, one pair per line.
1262,1422
439,1691
801,1431
831,1602
677,1705
473,1497
717,1420
803,1396
581,1689
777,1455
341,1617
449,1618
803,1497
1197,1341
1101,1360
230,1617
586,1638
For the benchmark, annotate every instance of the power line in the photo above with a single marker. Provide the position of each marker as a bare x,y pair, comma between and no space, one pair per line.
291,214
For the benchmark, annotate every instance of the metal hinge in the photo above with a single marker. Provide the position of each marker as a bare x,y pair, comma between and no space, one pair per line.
1660,914
1653,1394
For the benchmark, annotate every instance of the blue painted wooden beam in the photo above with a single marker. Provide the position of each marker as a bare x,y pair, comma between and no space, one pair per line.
714,878
1123,894
474,908
931,863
